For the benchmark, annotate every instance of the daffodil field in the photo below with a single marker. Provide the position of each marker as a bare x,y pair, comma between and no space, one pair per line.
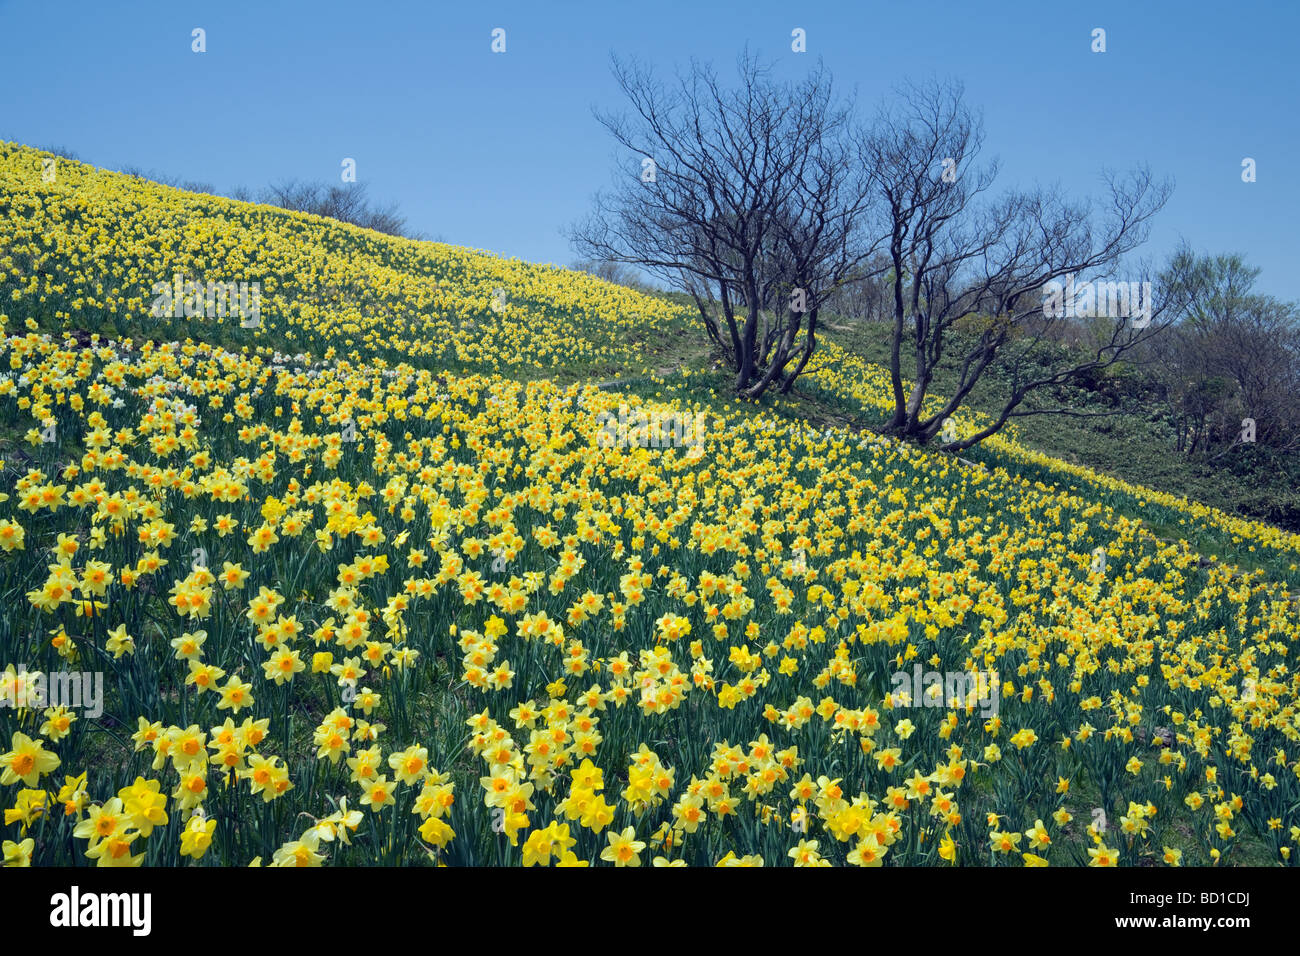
365,586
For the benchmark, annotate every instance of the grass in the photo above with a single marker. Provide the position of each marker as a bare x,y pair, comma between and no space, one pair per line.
664,360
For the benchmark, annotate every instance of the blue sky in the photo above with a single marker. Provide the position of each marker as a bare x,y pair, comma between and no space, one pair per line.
500,151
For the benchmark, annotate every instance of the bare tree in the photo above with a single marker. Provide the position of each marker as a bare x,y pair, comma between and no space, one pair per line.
864,296
61,151
960,262
746,198
165,179
1233,355
345,203
614,272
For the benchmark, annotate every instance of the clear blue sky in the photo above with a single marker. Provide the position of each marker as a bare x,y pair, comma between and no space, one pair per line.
500,151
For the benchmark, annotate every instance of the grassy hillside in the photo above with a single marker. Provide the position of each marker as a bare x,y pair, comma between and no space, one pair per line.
375,562
85,251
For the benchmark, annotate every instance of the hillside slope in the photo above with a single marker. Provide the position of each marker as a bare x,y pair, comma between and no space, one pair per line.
365,552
